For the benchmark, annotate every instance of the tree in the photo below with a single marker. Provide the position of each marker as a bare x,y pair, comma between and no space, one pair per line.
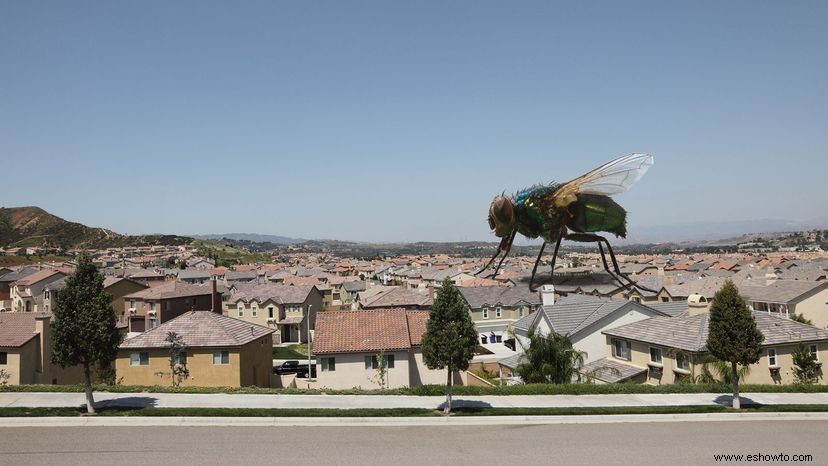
806,367
178,364
85,331
549,359
450,336
381,372
801,319
733,335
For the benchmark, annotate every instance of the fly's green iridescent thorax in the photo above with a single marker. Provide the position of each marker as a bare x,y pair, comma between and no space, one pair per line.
537,216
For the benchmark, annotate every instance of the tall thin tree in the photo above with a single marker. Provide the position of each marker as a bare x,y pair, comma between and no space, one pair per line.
450,336
733,335
85,331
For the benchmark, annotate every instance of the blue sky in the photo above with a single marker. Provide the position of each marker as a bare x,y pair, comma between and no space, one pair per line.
388,121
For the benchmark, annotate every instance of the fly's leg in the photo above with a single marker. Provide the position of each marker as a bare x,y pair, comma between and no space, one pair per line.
491,261
590,238
505,254
555,257
535,268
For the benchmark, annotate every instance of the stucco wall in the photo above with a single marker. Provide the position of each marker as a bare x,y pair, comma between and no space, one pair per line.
203,373
594,343
814,307
351,372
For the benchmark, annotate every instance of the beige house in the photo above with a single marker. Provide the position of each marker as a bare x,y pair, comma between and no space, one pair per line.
219,352
664,350
283,308
348,345
26,351
787,297
494,309
27,293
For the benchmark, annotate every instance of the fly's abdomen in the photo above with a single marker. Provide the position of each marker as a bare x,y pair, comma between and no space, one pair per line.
593,213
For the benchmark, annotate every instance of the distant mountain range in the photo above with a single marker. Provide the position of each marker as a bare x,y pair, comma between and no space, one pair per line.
719,232
34,227
252,237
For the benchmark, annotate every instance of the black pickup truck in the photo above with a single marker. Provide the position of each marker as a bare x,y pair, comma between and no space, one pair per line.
293,367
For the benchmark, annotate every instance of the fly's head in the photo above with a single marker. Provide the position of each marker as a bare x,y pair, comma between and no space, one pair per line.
502,216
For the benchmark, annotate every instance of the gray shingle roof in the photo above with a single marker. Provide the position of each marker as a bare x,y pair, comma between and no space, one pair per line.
478,297
573,313
200,329
282,294
611,371
671,308
780,291
689,333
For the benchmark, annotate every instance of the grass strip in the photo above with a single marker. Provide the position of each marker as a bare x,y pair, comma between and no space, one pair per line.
403,412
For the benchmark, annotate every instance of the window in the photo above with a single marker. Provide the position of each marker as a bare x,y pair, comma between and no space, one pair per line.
655,355
132,304
771,357
485,312
621,349
139,359
181,359
152,306
4,358
221,357
498,312
520,312
814,351
665,299
371,362
153,322
241,311
254,311
683,361
270,312
328,364
168,305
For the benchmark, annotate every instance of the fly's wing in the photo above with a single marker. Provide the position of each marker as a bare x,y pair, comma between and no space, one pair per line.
611,178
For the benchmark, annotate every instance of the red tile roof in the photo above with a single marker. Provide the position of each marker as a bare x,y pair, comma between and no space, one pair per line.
368,330
16,329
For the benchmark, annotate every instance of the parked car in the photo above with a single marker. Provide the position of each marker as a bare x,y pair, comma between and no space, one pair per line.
293,367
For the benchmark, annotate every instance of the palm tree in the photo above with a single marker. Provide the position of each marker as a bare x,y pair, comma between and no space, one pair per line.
715,370
549,359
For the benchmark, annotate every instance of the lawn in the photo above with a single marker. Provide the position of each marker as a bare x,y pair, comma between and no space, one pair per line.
288,352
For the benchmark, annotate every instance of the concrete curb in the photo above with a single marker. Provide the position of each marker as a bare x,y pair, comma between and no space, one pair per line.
137,421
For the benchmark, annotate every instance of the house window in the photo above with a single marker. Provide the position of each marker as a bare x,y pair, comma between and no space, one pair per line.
655,355
139,359
814,351
254,311
328,364
371,362
241,311
683,361
4,358
771,357
621,349
636,299
132,304
152,306
168,304
153,322
221,357
485,312
270,312
498,312
180,359
520,312
665,299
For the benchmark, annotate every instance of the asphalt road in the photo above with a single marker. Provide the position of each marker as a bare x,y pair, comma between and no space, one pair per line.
678,443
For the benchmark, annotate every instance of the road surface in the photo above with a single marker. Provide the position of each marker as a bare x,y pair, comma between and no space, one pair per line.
673,443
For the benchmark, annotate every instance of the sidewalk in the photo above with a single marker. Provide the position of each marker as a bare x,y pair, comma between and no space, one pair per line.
181,400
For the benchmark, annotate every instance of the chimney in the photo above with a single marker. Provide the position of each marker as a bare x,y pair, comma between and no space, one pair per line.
770,278
213,294
697,304
547,295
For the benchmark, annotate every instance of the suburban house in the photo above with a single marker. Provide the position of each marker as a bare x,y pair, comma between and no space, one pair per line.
219,351
282,308
194,276
27,293
151,307
664,350
787,297
26,351
582,319
7,279
347,345
494,308
394,297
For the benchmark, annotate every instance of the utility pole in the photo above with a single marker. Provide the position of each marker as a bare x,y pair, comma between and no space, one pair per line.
307,319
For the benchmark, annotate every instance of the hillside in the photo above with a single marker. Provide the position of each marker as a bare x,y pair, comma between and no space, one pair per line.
33,226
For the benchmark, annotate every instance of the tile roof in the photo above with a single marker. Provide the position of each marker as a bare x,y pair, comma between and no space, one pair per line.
282,294
611,371
670,308
780,291
200,329
689,333
171,290
16,329
477,297
38,277
368,330
399,297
